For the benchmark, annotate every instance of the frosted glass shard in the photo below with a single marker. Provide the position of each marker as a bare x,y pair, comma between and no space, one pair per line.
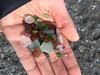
47,47
48,31
25,41
29,19
34,44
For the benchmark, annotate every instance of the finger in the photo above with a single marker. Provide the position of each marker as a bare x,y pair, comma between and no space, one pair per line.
26,59
57,65
70,60
64,21
44,65
13,35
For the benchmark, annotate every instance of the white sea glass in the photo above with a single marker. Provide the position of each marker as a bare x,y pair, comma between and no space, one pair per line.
29,19
25,41
47,47
34,44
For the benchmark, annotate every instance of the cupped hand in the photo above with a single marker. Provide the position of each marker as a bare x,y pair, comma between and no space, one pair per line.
54,11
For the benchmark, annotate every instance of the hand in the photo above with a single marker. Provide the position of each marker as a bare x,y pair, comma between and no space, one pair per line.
56,10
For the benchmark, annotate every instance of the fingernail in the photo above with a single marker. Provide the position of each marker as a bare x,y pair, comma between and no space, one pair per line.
71,36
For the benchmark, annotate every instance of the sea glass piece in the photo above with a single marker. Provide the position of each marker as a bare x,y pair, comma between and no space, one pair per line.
25,41
29,19
47,47
34,44
46,37
50,31
35,31
59,55
46,15
60,47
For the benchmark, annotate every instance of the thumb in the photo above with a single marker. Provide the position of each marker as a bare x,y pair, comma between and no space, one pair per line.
64,21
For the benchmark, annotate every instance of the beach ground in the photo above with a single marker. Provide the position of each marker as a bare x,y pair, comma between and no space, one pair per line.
86,16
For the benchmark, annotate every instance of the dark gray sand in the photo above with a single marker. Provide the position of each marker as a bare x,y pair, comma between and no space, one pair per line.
86,16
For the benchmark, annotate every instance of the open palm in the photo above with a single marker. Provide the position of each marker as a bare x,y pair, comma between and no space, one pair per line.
56,10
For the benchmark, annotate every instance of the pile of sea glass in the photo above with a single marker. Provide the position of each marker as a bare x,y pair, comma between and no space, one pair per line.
41,34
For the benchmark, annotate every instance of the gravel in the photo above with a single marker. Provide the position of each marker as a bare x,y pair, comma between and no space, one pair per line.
85,14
